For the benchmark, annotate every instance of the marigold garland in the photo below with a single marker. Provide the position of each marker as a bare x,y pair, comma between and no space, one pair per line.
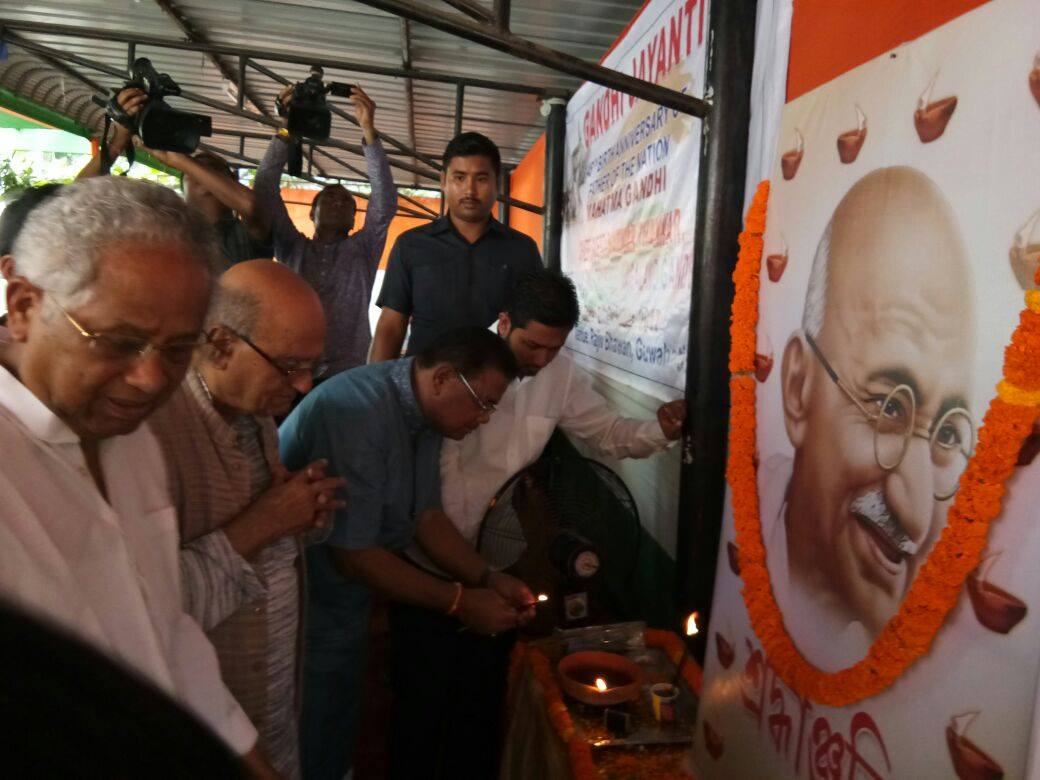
934,592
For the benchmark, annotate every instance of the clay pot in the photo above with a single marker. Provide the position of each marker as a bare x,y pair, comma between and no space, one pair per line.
763,365
733,555
712,741
578,673
1024,253
994,607
791,159
851,141
969,760
776,263
725,651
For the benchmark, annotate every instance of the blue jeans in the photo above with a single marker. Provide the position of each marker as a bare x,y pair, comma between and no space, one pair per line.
333,669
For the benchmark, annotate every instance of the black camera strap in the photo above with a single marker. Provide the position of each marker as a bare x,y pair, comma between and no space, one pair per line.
115,111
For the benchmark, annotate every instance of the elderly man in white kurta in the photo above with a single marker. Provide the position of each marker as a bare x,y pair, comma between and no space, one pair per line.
105,312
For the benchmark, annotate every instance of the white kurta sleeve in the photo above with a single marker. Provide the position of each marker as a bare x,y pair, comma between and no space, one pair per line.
588,416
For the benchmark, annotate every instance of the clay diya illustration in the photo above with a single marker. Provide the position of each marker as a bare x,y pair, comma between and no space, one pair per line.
712,741
932,116
1030,447
1025,251
764,359
994,607
851,141
1034,78
790,160
733,556
777,262
725,650
970,762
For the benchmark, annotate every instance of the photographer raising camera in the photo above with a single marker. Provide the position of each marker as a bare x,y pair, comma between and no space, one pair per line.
339,264
208,182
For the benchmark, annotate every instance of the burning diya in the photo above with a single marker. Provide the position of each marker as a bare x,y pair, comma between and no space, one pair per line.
994,607
600,679
1034,78
790,160
776,263
969,761
851,141
1025,251
931,117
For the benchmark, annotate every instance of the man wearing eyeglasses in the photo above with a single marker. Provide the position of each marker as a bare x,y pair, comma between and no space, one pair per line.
106,311
381,426
875,400
241,514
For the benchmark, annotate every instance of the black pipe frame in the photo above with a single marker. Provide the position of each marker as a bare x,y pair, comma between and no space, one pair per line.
720,197
555,147
489,34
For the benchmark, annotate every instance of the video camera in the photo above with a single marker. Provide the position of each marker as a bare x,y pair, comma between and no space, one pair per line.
308,115
157,124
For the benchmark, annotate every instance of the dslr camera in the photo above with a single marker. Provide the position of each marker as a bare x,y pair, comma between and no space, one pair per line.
158,124
307,115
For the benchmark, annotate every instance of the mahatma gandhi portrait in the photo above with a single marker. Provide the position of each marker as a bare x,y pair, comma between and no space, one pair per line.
875,403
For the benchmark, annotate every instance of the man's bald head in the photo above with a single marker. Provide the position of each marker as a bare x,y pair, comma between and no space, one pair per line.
258,296
893,228
265,321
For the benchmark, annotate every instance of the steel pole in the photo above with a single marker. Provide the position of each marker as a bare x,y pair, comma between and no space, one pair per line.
555,144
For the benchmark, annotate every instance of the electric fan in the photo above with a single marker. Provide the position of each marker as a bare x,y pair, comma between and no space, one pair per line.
568,526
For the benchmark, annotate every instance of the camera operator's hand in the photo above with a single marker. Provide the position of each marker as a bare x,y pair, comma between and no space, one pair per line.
131,100
176,160
365,111
284,99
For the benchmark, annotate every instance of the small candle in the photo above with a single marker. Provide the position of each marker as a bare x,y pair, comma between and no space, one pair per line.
543,596
601,684
691,630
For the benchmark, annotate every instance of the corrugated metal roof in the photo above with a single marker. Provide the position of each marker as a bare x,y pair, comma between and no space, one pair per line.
336,29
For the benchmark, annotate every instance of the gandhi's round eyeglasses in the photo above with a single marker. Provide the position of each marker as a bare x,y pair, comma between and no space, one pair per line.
950,437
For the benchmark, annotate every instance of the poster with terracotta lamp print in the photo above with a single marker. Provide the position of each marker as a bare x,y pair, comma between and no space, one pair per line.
903,225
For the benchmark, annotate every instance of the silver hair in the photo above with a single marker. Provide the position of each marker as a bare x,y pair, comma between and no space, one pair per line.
234,308
816,293
61,245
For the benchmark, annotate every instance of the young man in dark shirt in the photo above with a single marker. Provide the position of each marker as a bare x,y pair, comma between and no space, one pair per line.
458,269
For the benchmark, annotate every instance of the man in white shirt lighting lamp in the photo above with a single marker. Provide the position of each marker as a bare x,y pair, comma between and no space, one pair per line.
542,310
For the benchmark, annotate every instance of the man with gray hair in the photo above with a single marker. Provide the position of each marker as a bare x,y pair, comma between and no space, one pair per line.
875,400
106,307
241,514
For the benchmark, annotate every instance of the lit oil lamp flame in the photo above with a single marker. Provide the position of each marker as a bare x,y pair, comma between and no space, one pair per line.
601,684
691,625
543,596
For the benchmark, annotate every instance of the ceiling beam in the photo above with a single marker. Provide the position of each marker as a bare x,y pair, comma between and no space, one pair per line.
142,39
196,35
472,9
492,37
